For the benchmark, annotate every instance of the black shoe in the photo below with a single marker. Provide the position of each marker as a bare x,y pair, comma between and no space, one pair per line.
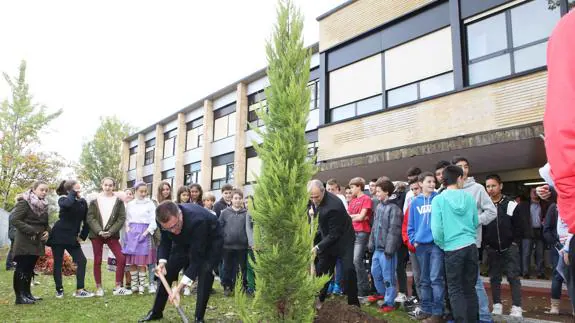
152,316
18,285
27,291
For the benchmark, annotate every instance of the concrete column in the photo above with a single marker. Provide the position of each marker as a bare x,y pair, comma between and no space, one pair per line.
125,163
207,138
180,149
158,156
140,157
241,126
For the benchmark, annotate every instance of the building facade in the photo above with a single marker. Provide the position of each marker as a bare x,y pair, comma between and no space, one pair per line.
394,84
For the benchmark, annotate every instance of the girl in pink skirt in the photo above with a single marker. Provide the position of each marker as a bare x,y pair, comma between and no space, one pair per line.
138,248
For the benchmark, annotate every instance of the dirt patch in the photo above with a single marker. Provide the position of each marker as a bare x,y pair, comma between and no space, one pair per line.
335,310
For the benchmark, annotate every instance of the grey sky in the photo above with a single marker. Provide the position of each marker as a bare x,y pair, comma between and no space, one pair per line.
140,60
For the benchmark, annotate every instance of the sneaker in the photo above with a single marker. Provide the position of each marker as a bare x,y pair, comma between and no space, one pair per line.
375,298
187,291
336,289
401,298
60,293
141,290
497,309
134,288
386,309
83,294
121,291
152,288
363,300
100,292
516,311
330,288
419,314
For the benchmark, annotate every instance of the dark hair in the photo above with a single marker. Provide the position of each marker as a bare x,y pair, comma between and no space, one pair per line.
159,196
347,188
38,183
458,159
200,197
494,177
385,185
373,180
239,192
413,181
451,174
227,187
181,190
425,175
333,181
442,164
413,171
65,187
165,210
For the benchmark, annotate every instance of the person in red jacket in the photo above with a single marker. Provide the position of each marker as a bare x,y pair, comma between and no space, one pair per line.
416,189
559,119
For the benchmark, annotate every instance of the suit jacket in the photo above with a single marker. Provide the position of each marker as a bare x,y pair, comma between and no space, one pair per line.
201,239
334,225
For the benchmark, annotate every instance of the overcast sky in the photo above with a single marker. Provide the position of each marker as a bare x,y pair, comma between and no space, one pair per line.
140,60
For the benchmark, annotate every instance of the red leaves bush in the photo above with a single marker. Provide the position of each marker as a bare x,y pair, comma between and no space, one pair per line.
45,264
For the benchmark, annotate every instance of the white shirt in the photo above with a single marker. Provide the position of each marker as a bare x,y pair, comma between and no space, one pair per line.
343,200
408,197
142,211
106,205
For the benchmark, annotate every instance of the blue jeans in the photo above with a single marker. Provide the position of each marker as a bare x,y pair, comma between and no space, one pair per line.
432,281
383,272
556,278
484,314
359,249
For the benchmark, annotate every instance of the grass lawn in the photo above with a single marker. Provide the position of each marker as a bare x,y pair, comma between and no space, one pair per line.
112,308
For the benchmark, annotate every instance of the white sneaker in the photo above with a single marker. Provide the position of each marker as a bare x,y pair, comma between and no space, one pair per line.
121,291
83,294
516,311
141,290
401,298
100,292
134,288
497,309
152,288
187,291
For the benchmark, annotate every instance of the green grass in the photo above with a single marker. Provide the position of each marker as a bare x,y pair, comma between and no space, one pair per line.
112,308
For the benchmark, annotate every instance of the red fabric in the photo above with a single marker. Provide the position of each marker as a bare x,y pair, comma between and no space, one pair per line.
559,120
404,235
114,245
355,207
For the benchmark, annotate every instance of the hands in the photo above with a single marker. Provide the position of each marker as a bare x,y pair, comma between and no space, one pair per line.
543,192
175,296
310,212
565,257
160,268
44,236
105,234
314,250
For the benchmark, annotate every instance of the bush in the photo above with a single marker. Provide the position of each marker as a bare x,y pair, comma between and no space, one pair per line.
45,264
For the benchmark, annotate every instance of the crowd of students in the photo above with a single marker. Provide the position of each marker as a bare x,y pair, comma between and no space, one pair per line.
446,221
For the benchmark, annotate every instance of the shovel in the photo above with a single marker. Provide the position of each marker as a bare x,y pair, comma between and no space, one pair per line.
169,290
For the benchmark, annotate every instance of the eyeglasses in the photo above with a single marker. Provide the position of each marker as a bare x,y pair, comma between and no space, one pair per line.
174,226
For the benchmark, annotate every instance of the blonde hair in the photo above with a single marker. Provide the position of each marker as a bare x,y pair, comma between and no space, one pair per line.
358,181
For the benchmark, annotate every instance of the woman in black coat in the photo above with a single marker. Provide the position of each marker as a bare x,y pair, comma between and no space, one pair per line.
66,235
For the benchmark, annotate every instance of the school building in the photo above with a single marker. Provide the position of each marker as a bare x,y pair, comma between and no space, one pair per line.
394,84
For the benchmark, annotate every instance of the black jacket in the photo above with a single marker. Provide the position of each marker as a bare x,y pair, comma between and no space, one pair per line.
502,233
334,225
220,206
550,227
201,239
523,211
72,217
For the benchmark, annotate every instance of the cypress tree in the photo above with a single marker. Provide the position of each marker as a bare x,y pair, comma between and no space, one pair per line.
285,287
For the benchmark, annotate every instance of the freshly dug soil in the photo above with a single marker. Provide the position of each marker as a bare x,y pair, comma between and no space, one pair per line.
335,310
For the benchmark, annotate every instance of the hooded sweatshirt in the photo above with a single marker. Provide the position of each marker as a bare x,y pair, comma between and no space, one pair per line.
419,225
486,210
237,227
454,220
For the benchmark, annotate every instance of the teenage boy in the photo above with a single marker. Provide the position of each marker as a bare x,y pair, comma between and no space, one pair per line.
429,256
226,200
412,173
384,242
439,167
502,239
416,189
453,225
333,187
486,212
359,210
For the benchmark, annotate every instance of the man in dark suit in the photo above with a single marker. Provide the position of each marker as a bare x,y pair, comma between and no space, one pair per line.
192,239
337,238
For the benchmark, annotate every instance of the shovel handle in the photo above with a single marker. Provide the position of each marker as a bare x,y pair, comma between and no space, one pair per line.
169,290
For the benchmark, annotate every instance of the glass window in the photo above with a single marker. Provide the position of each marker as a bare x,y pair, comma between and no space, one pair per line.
253,167
231,124
344,112
533,21
401,95
150,152
222,174
489,69
169,147
487,36
369,105
149,180
436,85
192,173
312,149
130,184
194,133
221,128
314,95
531,57
133,157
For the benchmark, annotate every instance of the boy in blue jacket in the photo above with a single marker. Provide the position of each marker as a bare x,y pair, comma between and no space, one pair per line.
429,255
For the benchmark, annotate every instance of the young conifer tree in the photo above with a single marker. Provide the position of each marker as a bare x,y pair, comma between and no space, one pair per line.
285,287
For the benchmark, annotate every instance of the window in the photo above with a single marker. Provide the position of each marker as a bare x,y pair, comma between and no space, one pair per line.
357,108
168,176
420,90
313,87
170,143
312,149
194,133
221,175
253,168
367,80
150,151
510,42
130,184
192,173
256,101
133,157
225,122
149,180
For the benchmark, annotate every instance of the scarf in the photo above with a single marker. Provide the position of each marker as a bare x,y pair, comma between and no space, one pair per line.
38,206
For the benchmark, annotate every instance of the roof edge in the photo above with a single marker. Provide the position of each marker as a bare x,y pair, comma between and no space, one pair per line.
334,10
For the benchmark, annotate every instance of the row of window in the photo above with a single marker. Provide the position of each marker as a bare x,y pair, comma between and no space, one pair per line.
497,44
